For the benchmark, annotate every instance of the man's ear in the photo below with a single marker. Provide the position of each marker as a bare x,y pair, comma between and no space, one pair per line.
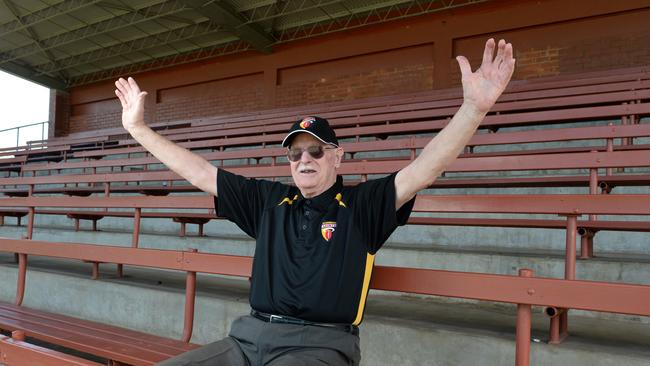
339,157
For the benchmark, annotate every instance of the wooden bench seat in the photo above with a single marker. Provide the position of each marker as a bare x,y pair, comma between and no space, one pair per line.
396,146
432,110
516,87
55,151
200,219
17,213
607,182
81,191
119,131
506,114
46,154
13,165
492,122
593,161
586,227
414,111
113,343
582,225
517,90
182,218
626,79
16,351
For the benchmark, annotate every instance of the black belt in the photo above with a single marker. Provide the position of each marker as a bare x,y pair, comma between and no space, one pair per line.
282,319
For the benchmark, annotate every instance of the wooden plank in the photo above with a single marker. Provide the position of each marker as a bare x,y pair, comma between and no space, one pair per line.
17,353
570,294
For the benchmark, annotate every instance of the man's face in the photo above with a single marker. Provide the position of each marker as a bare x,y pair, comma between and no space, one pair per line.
314,176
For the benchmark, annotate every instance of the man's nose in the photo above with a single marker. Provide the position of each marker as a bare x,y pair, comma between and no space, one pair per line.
305,157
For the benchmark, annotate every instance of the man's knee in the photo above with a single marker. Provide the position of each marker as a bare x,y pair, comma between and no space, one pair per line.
319,357
223,352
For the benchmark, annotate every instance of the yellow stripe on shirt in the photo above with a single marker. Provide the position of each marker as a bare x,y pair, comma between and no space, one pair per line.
288,200
370,261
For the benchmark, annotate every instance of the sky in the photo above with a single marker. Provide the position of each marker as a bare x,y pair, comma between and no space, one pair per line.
21,103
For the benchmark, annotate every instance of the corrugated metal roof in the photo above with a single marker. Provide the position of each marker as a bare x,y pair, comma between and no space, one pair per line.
64,43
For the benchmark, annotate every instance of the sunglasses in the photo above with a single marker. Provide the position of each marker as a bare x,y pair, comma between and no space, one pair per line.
317,151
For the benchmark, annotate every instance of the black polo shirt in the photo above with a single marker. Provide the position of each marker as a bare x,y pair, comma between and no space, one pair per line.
313,256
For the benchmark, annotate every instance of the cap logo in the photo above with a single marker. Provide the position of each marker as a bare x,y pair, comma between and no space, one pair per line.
306,122
327,229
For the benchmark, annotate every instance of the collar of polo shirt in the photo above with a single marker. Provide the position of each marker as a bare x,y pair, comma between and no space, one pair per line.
323,200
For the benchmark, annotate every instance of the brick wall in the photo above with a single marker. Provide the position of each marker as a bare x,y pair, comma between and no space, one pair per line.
183,102
88,122
59,117
592,44
97,115
606,51
412,55
403,70
601,52
534,63
379,82
244,93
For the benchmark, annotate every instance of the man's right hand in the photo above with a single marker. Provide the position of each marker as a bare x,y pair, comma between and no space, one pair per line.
198,171
132,99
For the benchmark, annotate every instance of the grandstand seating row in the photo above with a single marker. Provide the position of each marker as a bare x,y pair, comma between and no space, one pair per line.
535,97
555,100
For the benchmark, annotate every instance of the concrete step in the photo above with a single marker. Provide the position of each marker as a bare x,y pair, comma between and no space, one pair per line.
397,330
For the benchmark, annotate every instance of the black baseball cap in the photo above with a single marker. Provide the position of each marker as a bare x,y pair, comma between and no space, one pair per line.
315,126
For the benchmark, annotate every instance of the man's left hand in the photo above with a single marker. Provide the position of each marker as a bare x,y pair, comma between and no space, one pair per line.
482,88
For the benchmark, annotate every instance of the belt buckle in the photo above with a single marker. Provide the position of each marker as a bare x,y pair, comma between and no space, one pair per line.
274,317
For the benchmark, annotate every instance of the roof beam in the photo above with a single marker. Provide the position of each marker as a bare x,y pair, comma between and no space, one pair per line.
395,10
32,34
280,9
342,20
122,21
223,13
29,74
177,19
45,14
163,62
138,44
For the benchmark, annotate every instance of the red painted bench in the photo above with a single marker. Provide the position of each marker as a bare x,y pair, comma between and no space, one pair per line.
559,294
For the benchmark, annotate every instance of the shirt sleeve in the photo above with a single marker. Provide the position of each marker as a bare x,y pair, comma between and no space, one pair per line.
374,211
242,200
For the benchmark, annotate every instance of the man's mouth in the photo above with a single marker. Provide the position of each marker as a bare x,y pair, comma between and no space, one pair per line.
306,171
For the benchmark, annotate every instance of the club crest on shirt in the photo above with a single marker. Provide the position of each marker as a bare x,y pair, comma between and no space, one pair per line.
306,122
327,229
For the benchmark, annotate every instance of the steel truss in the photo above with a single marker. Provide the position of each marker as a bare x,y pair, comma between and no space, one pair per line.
248,26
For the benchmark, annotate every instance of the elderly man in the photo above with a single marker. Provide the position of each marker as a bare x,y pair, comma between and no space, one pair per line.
315,242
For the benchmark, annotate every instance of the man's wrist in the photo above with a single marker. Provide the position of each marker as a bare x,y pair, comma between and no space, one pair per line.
137,129
471,111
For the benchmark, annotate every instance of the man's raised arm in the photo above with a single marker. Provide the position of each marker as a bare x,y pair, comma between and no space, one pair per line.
481,89
194,168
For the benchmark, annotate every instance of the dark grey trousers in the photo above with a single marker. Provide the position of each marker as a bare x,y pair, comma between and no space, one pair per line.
252,342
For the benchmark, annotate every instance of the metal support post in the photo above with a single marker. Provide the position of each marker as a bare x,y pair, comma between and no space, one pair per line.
22,276
524,319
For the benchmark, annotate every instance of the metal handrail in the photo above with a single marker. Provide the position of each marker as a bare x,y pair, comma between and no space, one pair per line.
24,126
